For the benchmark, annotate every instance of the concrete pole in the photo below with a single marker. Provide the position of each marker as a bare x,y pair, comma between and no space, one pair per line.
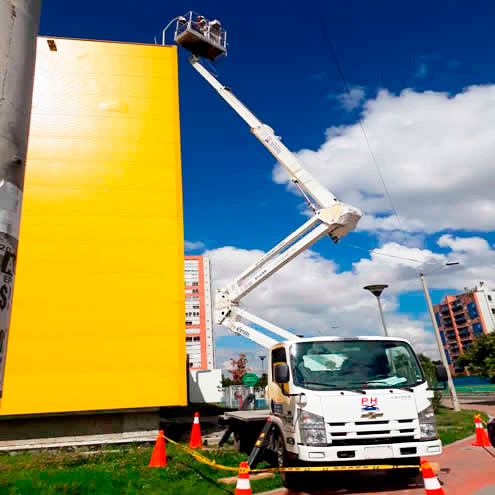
19,23
443,357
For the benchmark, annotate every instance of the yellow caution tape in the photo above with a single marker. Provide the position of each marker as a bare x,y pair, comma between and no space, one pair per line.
213,464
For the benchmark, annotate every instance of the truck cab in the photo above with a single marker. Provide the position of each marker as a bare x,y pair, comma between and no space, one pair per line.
339,399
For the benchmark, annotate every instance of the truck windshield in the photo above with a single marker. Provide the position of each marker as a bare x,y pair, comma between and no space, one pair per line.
357,364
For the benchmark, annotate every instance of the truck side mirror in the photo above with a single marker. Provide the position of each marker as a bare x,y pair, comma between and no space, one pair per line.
441,373
282,373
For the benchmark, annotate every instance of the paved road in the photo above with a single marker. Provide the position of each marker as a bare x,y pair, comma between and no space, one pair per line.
464,470
484,404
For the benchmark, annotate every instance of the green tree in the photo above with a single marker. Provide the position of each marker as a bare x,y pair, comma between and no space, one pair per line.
239,368
479,359
431,377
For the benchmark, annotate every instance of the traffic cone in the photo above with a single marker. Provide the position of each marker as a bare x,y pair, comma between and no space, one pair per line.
243,486
432,485
195,440
481,436
159,455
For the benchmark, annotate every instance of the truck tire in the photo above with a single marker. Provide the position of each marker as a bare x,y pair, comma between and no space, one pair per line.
289,480
408,476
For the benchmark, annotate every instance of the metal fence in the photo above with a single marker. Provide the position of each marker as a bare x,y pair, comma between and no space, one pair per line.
241,397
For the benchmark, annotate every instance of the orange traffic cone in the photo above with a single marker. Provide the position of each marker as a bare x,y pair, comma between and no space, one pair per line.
159,455
481,436
195,440
243,486
432,485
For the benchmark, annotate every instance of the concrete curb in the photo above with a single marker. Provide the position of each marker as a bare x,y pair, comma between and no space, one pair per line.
459,441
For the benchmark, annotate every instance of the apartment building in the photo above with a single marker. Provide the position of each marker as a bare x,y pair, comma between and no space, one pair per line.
462,318
199,315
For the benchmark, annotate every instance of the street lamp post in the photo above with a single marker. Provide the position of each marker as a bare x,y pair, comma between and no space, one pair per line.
262,367
443,357
377,290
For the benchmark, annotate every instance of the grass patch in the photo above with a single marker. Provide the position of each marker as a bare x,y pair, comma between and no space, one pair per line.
122,473
453,426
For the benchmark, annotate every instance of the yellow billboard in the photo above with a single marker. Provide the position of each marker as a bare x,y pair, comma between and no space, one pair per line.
98,310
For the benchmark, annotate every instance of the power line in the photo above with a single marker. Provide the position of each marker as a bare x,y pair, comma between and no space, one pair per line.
374,251
346,87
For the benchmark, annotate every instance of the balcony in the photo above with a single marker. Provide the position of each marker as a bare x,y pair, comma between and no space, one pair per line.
451,336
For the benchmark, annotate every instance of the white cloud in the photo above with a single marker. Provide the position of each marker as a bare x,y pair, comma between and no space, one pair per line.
352,99
193,245
464,244
435,152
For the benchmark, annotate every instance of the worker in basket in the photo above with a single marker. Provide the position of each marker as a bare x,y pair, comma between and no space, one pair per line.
200,24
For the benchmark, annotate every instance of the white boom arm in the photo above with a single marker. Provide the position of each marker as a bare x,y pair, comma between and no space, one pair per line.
333,218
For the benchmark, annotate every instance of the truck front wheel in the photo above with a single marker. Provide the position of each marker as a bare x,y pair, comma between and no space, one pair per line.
289,480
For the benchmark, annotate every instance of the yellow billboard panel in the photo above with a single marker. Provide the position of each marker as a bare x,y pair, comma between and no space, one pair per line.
98,310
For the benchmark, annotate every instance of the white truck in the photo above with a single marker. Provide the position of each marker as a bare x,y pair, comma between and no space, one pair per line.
332,400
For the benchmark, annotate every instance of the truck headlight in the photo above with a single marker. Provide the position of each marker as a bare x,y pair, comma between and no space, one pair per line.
427,424
312,428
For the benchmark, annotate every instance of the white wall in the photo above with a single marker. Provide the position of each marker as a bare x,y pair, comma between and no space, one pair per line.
483,295
205,385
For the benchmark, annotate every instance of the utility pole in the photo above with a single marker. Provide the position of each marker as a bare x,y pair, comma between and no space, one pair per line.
19,24
455,402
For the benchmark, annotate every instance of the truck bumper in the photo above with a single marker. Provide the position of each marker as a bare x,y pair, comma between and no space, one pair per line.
370,452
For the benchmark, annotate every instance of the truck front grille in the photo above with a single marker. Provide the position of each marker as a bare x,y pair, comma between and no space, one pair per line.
372,432
371,441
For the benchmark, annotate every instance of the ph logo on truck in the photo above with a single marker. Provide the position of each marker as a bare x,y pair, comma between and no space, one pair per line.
370,408
369,403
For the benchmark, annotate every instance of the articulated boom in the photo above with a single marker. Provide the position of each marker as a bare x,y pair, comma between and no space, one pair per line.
332,218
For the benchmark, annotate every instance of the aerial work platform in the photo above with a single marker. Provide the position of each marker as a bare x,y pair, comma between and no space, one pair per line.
200,36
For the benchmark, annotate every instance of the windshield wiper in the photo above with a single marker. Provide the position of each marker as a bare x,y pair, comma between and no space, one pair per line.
403,387
370,384
317,383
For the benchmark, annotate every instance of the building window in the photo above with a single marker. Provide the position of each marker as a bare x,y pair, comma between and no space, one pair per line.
489,297
477,329
473,312
437,316
447,355
493,311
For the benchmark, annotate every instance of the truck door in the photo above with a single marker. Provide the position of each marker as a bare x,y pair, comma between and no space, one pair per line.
279,392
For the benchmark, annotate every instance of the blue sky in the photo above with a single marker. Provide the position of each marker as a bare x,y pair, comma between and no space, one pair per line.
280,65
